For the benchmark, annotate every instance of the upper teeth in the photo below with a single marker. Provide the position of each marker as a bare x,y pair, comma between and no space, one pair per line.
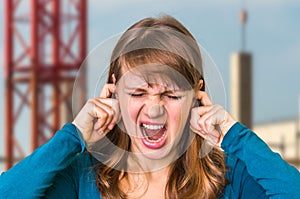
153,127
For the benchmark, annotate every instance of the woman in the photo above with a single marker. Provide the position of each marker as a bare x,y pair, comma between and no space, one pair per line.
146,135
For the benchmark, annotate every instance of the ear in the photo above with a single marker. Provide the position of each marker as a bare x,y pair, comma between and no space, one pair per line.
113,78
115,95
200,84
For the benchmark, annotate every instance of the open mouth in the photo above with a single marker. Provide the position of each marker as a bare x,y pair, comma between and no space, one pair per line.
154,135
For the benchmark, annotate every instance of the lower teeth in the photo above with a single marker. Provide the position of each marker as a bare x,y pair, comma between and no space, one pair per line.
150,140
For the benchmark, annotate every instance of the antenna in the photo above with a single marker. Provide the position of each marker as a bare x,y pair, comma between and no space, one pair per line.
243,20
241,78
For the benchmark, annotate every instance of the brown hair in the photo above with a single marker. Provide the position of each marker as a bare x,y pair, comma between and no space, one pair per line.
190,176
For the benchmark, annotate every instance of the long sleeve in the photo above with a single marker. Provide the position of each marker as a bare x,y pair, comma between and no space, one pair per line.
76,181
278,178
31,177
65,184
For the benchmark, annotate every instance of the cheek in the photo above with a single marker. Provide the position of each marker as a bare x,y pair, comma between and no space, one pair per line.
129,112
178,114
130,109
175,113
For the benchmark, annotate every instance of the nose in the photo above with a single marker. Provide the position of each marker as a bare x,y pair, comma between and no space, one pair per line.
154,107
156,111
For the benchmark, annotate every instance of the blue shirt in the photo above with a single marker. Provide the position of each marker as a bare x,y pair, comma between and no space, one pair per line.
62,169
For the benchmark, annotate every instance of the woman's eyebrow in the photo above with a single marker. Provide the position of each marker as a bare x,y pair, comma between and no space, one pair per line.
166,91
174,91
135,86
171,91
138,89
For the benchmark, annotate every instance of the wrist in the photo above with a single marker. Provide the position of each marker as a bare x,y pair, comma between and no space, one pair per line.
228,123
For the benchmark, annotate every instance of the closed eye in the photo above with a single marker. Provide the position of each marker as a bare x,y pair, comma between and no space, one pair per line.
174,97
136,94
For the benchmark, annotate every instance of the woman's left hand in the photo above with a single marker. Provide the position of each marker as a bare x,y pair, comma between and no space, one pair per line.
210,121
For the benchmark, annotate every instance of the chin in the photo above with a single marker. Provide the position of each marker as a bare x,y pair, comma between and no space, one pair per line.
157,154
166,153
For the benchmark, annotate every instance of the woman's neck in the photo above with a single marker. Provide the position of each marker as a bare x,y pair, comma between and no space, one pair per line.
159,175
146,185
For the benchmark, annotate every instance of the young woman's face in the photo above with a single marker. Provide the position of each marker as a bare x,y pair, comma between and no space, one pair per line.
154,111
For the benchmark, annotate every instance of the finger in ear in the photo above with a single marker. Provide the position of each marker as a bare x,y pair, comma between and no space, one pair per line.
113,78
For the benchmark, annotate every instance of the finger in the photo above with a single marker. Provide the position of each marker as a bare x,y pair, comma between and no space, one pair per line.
96,135
196,114
107,90
194,122
102,112
216,128
99,124
112,105
209,118
203,110
104,116
203,97
214,138
198,131
107,118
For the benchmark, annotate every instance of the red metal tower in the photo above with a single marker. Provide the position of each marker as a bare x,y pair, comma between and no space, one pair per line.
45,44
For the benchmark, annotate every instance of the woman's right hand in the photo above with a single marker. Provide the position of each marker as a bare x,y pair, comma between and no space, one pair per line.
98,116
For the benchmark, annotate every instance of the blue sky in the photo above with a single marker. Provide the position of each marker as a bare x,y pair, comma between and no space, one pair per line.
272,37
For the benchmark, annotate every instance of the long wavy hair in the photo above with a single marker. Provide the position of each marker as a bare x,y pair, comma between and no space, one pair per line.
166,41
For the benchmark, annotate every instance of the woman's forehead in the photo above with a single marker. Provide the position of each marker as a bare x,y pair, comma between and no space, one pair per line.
154,74
158,83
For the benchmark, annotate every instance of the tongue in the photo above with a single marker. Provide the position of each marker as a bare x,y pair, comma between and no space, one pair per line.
154,134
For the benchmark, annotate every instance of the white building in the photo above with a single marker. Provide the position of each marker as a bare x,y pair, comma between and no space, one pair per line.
281,136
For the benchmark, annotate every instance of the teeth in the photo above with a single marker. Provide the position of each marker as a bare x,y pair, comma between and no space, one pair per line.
153,127
150,140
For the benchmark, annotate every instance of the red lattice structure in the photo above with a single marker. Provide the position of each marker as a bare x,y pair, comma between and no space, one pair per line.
45,44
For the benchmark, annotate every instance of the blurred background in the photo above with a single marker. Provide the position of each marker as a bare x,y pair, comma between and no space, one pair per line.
43,45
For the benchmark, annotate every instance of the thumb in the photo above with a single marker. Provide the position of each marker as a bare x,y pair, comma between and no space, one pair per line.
107,90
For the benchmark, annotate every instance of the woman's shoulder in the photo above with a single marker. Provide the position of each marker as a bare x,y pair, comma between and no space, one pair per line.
235,167
82,168
83,160
241,184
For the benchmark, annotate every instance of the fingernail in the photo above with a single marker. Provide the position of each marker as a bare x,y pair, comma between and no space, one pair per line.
111,126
